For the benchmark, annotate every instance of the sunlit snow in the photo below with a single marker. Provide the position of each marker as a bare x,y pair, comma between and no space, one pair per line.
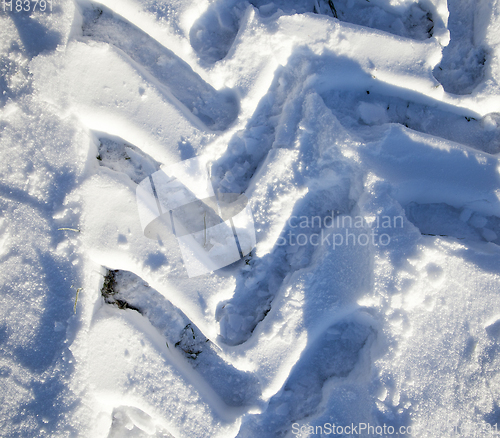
361,141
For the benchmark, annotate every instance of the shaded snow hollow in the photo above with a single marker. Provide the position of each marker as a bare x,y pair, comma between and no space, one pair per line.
324,114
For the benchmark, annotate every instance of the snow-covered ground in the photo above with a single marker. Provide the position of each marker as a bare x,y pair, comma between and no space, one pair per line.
365,135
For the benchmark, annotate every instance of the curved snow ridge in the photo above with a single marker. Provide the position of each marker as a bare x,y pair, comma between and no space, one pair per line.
127,350
407,65
425,170
121,244
404,64
216,109
108,94
362,109
169,29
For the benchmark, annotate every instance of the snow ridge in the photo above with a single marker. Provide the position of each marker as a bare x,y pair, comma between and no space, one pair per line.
379,113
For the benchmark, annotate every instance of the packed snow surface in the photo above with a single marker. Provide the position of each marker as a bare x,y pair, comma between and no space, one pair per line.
365,136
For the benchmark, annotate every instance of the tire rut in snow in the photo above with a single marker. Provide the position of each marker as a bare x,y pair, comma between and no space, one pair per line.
446,221
235,387
363,111
216,109
334,355
120,156
213,34
463,63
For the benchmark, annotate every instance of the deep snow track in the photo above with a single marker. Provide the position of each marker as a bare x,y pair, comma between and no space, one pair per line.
309,116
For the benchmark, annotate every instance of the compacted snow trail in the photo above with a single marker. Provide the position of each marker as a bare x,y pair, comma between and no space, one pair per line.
364,135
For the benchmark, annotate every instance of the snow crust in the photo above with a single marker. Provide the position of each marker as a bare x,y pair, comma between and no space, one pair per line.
341,111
